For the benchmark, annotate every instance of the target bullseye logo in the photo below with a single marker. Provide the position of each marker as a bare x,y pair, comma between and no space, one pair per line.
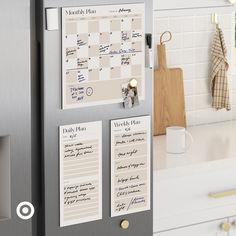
25,210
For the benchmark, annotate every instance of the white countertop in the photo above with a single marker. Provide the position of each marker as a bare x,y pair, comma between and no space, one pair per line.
214,148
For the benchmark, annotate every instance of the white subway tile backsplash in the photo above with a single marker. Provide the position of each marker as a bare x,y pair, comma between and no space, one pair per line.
233,79
189,87
234,112
230,82
206,116
224,115
175,43
188,40
188,71
228,38
203,101
190,103
190,49
202,86
231,57
188,24
202,55
233,97
188,56
202,70
202,23
161,25
191,118
176,25
211,37
202,39
174,57
226,21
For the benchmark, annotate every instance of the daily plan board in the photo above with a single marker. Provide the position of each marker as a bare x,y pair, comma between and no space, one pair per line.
130,165
80,173
103,47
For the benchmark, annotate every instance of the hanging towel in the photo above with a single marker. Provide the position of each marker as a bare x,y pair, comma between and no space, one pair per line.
219,82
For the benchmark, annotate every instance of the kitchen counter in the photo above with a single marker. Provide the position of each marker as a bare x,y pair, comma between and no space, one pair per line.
214,148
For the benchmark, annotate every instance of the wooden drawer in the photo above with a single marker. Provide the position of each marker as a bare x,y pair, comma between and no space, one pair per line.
206,229
185,200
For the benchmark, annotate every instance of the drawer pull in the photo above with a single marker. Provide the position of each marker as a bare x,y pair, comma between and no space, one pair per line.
223,194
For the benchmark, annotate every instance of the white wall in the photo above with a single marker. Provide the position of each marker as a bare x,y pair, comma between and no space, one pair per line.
190,49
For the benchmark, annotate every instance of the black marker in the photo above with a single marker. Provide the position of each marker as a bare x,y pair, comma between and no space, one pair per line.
149,45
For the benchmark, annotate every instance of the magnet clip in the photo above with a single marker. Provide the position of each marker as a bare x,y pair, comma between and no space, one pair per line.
52,22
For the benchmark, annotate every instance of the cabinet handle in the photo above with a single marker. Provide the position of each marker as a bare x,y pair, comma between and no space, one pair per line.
226,227
223,194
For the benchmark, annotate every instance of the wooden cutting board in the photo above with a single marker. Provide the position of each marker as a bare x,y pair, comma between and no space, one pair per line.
169,102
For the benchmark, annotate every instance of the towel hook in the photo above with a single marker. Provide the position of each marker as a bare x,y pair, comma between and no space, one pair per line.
214,19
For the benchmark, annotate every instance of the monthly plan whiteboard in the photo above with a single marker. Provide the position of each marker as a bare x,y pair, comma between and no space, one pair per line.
103,47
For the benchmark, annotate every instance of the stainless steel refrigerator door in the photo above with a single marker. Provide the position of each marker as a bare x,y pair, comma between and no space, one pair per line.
53,117
15,115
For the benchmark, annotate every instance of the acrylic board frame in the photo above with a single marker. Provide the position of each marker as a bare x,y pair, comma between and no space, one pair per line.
148,128
63,51
97,125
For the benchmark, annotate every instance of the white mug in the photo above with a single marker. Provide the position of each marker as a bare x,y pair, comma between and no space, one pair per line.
176,140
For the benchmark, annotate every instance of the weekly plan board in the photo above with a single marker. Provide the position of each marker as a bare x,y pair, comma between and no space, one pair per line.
80,173
130,165
103,47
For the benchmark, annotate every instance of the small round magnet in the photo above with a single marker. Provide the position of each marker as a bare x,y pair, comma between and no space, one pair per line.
133,83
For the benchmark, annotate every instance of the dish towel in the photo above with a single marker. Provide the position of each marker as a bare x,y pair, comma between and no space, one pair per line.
219,82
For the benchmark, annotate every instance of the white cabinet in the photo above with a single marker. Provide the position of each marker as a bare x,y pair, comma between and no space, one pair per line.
206,229
183,4
183,201
223,227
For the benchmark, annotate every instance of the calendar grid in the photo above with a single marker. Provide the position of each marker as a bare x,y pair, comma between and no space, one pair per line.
100,49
